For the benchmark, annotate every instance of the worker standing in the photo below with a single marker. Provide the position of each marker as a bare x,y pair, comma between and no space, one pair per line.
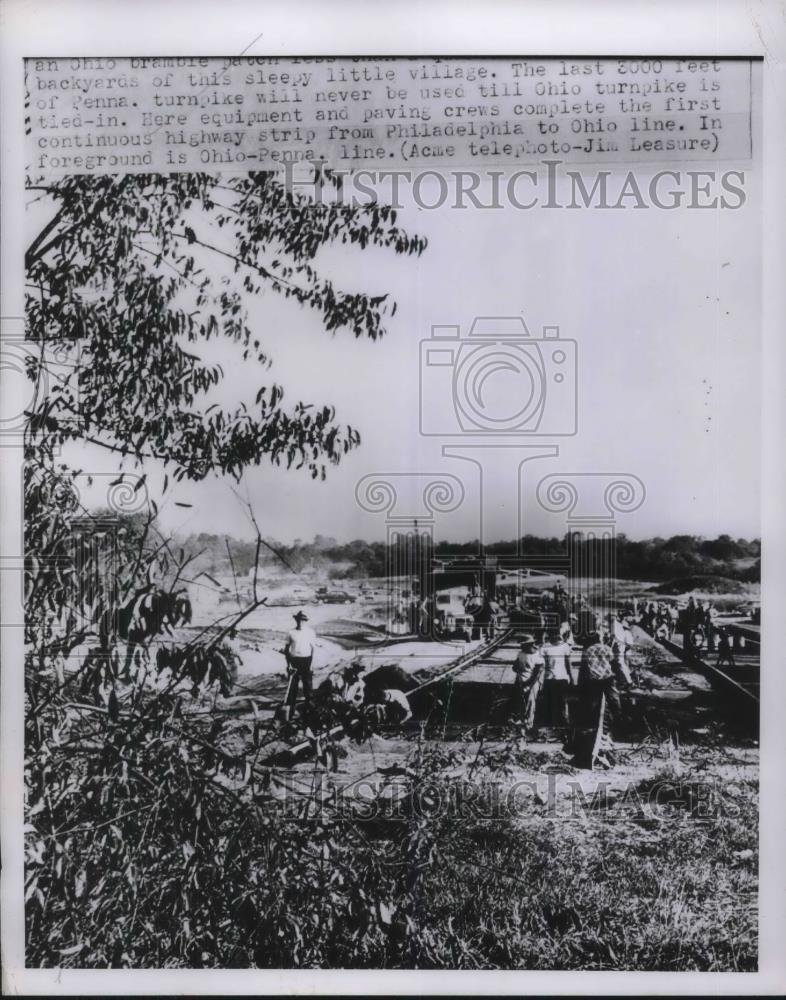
528,668
425,617
556,656
710,618
485,619
619,644
299,651
691,614
725,651
673,617
599,705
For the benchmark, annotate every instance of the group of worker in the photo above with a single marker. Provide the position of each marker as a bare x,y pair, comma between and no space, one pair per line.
536,610
696,621
411,617
659,618
419,616
580,705
343,695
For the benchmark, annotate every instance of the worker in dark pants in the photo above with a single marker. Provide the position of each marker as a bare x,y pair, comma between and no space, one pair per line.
710,614
725,651
485,619
299,652
599,706
528,670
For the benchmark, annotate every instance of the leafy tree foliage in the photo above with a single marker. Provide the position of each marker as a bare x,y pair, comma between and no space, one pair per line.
131,814
129,271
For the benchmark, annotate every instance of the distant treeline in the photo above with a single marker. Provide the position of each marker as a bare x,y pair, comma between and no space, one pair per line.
649,559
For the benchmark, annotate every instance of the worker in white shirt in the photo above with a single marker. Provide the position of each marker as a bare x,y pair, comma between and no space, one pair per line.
299,651
391,708
346,686
556,656
397,708
354,686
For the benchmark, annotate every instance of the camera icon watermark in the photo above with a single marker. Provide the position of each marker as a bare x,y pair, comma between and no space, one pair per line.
498,380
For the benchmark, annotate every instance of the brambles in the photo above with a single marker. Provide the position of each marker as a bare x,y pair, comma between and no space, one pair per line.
144,842
178,855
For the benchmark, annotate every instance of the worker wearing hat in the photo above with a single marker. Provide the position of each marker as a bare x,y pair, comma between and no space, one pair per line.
299,652
528,668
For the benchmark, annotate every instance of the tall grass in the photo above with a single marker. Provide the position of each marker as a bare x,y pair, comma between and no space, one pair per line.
161,852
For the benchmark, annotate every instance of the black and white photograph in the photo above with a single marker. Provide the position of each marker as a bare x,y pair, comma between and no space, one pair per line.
387,479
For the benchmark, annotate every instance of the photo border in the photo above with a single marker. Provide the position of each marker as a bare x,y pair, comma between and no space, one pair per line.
122,27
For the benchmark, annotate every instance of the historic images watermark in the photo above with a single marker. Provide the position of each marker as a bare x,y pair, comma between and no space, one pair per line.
541,797
550,185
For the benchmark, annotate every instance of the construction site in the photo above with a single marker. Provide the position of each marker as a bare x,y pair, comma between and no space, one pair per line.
448,640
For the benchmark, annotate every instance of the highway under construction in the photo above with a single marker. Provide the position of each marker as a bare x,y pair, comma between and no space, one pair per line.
673,701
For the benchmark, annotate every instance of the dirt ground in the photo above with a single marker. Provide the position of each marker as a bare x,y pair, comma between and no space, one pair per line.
681,731
663,841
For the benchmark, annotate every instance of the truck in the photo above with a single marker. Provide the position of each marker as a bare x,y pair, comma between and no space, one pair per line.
451,618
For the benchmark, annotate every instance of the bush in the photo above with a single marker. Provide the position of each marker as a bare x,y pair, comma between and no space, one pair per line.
168,852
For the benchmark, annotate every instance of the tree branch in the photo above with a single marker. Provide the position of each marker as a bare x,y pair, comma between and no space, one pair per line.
31,254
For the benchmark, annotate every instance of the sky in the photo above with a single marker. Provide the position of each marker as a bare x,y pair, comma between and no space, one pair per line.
664,307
